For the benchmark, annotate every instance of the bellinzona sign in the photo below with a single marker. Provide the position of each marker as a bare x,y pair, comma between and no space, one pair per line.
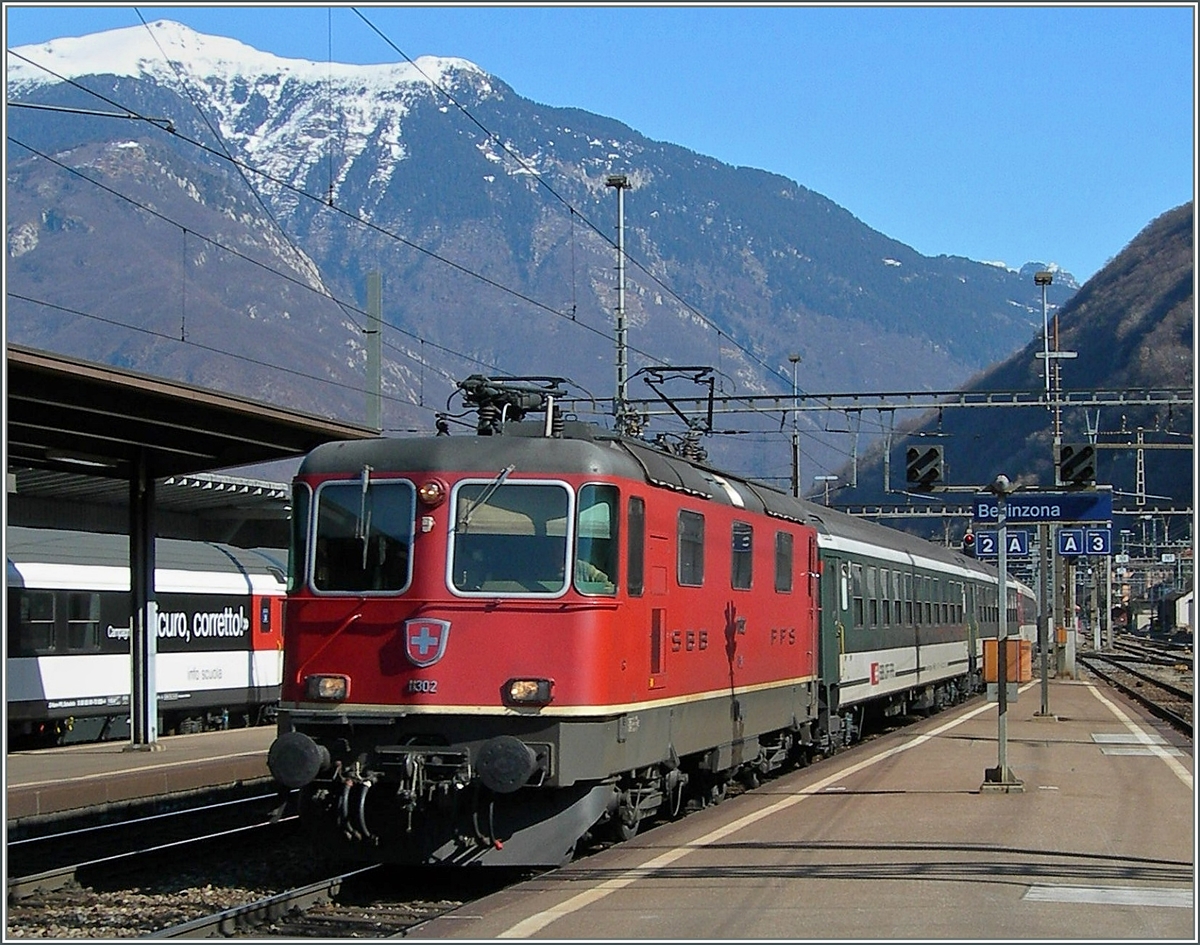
1035,508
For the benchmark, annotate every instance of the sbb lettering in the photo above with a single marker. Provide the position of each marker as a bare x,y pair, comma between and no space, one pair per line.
882,671
689,640
784,635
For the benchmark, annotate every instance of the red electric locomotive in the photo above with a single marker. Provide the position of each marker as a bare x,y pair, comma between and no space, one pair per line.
497,644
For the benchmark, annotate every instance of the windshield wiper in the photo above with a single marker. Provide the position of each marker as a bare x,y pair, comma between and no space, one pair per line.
484,496
362,526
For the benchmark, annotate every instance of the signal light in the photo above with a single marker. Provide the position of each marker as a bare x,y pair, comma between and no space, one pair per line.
924,466
1077,464
968,544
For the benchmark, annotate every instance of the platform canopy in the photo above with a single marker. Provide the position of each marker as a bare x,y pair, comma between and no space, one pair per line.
77,416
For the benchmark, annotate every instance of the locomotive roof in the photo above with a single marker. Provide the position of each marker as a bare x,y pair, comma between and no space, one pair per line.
588,449
24,545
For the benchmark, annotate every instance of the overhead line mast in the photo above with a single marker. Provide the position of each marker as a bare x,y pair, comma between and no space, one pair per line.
620,402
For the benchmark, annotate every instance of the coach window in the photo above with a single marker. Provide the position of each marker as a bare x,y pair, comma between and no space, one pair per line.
364,529
856,574
872,595
742,574
596,540
908,598
885,592
636,553
34,626
927,599
897,605
783,563
690,563
83,622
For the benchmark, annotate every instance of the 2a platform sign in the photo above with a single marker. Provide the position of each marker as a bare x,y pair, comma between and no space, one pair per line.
987,542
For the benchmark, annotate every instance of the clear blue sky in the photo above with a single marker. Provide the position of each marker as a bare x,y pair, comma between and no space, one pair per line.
1003,133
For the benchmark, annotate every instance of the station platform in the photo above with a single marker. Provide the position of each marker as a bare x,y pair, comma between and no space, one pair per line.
907,837
74,780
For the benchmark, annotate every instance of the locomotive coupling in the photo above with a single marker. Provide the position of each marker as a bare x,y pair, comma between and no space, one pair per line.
295,759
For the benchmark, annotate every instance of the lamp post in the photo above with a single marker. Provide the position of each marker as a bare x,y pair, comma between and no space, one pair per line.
827,480
795,359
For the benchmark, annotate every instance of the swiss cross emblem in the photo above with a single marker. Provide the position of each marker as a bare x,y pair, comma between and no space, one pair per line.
425,640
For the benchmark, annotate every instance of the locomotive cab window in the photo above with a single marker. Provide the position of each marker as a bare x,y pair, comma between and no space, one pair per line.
742,572
596,540
364,530
690,551
511,538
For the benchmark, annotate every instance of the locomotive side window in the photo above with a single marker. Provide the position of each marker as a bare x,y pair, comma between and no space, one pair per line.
690,563
363,533
783,563
298,549
596,540
637,546
742,575
510,538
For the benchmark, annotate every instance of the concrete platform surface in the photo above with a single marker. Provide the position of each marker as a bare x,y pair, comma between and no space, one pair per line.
74,778
898,838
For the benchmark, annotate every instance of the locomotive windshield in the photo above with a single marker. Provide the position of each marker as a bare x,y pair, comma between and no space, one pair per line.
510,538
363,534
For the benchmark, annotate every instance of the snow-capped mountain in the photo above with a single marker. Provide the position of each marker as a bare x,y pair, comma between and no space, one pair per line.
246,216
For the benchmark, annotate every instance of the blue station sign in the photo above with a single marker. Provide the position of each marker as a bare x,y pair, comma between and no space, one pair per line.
987,542
1038,508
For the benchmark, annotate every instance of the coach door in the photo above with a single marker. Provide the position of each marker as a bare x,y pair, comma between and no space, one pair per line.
834,614
971,619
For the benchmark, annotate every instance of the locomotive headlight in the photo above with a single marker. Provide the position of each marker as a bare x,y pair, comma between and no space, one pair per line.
432,493
327,688
528,691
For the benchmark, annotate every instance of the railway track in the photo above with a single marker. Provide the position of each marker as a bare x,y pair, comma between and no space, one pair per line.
371,901
52,860
1166,689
